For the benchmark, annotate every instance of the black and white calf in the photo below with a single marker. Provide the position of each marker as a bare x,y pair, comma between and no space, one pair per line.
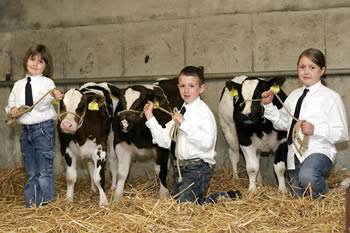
84,125
132,139
244,126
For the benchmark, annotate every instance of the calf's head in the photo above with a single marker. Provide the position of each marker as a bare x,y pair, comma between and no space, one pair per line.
130,107
73,108
247,104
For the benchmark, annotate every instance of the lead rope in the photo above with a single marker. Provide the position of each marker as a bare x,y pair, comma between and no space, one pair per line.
174,136
303,144
24,109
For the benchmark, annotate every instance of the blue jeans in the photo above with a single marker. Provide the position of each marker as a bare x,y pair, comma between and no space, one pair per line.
37,146
199,174
312,170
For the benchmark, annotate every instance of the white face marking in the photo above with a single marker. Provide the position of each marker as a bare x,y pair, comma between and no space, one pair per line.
71,100
131,96
248,89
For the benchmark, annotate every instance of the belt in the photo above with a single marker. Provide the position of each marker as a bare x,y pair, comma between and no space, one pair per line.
39,125
187,162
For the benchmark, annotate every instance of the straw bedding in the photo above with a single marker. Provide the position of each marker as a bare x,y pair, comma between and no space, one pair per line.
141,211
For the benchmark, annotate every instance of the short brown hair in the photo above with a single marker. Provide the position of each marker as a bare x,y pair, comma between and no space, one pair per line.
194,71
45,54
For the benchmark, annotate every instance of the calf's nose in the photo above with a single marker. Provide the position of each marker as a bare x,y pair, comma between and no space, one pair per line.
124,124
66,126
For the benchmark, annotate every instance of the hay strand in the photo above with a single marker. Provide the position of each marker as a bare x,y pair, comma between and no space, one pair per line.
140,210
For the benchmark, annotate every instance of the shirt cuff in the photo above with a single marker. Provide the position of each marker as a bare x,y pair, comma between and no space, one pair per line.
269,107
151,122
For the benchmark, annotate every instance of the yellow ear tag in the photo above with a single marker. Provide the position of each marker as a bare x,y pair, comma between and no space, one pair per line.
55,101
275,89
233,92
113,97
93,106
155,104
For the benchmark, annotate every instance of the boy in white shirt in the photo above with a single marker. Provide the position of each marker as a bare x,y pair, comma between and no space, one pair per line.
196,138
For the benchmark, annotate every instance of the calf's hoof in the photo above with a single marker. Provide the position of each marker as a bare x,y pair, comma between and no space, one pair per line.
104,203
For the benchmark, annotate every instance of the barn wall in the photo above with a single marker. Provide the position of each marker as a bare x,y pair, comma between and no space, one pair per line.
112,39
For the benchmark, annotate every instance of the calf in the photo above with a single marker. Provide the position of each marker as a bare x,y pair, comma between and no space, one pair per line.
131,136
245,127
84,124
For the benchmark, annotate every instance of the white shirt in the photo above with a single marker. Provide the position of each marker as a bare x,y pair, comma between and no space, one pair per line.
44,110
323,108
197,133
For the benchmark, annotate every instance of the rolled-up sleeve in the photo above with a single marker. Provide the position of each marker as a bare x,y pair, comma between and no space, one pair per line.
278,117
160,135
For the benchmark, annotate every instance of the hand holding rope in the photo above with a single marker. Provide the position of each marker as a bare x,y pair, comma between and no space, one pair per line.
295,136
24,108
173,134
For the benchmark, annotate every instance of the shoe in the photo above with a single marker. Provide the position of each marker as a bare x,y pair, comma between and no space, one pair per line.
342,186
233,194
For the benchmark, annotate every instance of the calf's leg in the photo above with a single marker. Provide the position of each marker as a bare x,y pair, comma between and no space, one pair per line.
252,165
71,174
91,169
161,168
98,175
112,159
124,156
280,166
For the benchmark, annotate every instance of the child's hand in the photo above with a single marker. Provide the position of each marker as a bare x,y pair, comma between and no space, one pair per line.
307,128
148,110
266,97
57,94
178,118
14,112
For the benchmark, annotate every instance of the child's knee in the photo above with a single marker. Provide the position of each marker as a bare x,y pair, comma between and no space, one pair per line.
308,177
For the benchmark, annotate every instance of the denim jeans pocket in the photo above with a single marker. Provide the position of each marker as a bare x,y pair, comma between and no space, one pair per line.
49,133
46,161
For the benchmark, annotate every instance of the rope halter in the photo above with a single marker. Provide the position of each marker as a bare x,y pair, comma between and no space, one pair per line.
130,110
81,118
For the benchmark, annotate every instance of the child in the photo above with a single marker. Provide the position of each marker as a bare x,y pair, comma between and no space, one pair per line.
37,136
325,124
196,140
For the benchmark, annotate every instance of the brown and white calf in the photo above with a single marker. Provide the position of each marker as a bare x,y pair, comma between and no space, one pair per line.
84,125
246,129
132,139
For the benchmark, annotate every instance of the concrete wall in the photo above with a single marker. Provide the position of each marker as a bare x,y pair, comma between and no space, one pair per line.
110,40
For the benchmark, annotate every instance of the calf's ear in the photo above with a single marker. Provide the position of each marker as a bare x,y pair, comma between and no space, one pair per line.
276,81
115,91
100,99
159,96
94,101
233,87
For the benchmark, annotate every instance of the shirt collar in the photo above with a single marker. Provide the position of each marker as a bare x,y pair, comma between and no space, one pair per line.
314,87
192,104
33,76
